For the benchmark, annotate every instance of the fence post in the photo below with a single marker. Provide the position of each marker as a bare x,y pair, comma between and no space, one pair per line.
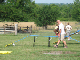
4,29
16,26
30,29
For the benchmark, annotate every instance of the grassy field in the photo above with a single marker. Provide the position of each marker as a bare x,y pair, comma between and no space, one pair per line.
24,50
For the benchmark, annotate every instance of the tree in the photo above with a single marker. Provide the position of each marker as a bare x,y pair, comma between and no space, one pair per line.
47,15
65,12
76,10
10,13
1,1
17,10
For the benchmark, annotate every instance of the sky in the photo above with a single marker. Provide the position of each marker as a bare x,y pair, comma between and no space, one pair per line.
54,1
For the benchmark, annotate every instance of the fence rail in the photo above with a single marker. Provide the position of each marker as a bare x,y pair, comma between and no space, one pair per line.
9,29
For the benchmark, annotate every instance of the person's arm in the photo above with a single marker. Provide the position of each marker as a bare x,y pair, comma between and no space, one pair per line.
59,32
64,29
71,28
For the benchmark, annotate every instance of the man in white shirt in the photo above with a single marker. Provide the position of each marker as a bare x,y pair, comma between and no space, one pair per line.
68,28
61,34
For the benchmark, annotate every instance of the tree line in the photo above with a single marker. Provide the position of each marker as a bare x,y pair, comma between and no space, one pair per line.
42,15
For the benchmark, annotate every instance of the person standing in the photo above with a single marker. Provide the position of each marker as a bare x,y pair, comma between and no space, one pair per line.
68,28
61,34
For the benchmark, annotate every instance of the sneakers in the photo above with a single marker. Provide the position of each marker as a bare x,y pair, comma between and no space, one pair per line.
65,47
55,46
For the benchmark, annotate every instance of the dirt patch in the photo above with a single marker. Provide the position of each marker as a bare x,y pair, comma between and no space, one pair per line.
58,52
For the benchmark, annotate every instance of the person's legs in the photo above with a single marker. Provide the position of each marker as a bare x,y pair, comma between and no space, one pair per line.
62,39
64,43
68,33
58,42
68,38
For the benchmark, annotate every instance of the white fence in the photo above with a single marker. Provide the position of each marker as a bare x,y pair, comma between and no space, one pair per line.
5,29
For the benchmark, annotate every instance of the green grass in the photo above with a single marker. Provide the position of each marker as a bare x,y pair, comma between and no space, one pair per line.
24,49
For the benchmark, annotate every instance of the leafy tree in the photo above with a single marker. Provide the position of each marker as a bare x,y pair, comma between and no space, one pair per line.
76,10
65,12
1,1
10,13
47,15
43,14
17,10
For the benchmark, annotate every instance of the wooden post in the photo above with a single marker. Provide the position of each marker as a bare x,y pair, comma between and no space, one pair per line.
34,38
34,41
4,29
63,44
30,29
19,30
49,42
16,26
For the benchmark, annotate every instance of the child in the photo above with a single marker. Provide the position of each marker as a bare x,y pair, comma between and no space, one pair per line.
68,27
56,30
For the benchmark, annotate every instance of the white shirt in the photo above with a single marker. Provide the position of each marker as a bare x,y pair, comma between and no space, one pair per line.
68,27
61,26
